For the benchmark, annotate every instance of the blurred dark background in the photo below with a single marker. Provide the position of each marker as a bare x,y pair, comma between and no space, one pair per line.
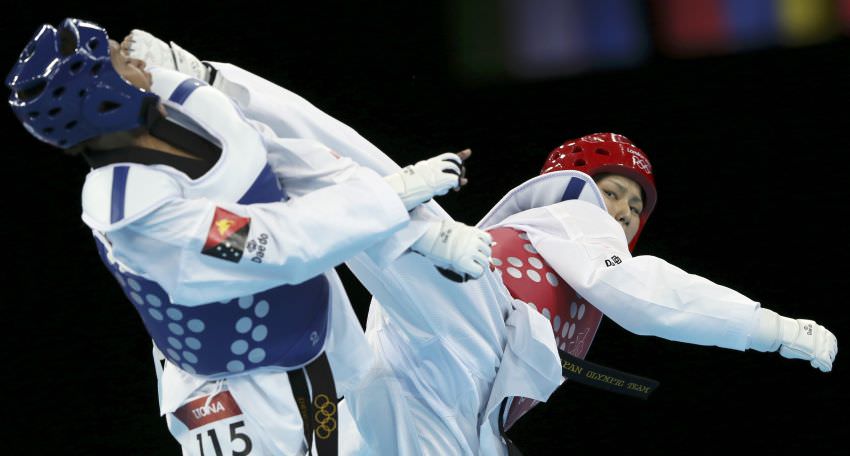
742,107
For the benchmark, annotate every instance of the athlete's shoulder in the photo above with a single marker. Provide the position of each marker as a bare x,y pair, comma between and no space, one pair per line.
173,85
119,194
545,190
186,97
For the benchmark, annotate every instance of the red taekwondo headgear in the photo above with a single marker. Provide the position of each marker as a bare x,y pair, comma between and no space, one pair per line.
607,153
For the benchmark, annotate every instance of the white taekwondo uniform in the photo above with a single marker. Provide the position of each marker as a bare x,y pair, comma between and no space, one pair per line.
232,272
451,352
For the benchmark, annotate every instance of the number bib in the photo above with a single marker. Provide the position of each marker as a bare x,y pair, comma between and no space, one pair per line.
214,427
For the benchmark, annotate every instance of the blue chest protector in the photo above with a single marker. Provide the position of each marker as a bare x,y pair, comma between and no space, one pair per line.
285,326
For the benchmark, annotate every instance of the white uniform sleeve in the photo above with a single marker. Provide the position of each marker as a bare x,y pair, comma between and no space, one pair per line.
304,165
293,240
280,115
644,294
291,116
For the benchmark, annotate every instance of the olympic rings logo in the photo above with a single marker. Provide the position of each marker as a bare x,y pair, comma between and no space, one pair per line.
324,416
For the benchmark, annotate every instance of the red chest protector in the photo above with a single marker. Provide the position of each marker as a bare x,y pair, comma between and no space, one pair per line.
530,279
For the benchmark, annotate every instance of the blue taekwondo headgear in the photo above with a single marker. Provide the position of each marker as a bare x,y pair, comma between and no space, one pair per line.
65,90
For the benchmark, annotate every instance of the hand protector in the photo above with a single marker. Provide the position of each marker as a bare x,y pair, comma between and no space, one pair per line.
416,184
805,339
795,339
154,52
460,248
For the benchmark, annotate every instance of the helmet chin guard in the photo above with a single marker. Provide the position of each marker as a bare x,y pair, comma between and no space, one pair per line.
65,90
607,153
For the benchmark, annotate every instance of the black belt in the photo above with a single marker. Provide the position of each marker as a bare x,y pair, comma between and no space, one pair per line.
315,381
591,374
513,450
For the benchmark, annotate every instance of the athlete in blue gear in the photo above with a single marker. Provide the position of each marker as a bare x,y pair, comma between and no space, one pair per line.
224,237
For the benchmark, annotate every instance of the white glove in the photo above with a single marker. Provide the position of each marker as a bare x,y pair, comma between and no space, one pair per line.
460,248
795,339
154,52
418,183
805,339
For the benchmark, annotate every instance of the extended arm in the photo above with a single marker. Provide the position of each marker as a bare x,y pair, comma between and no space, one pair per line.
279,113
648,296
262,245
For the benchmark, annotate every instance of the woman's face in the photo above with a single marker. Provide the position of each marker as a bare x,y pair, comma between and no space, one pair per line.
132,70
624,201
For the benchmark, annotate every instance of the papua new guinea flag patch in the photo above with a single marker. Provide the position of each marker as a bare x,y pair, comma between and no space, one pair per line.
227,235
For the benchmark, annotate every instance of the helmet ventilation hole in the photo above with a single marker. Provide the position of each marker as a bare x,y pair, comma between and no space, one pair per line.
93,44
32,91
601,151
76,66
70,124
58,92
576,149
67,42
580,162
53,112
96,68
107,106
